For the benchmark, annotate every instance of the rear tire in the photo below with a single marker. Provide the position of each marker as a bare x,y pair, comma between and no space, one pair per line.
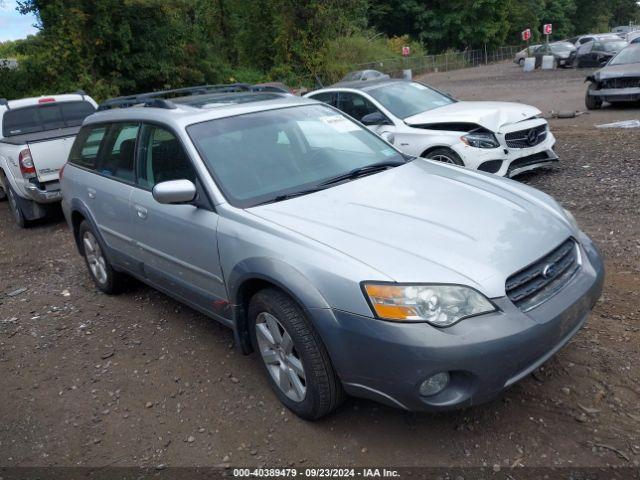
16,210
102,273
592,102
444,155
296,361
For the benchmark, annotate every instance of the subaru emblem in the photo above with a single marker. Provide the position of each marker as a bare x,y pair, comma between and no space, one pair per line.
549,270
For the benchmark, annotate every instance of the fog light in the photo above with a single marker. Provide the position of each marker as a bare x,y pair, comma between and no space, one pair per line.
434,384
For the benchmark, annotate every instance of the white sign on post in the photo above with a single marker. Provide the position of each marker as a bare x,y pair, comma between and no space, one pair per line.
547,28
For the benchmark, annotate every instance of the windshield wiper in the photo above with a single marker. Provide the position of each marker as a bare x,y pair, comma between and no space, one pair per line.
287,196
361,172
351,175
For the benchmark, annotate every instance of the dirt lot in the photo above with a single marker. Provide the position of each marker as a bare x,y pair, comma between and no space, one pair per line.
139,380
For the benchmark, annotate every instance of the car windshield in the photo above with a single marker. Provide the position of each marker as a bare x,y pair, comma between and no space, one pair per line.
626,56
405,99
266,156
614,46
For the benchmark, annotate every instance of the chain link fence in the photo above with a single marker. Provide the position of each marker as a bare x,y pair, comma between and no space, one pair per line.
441,63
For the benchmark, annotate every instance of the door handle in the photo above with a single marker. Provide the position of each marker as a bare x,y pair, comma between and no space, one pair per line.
91,193
141,212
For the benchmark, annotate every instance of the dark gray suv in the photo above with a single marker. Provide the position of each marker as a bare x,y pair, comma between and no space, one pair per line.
349,266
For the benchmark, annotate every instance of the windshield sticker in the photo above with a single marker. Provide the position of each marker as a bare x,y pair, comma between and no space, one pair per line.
388,152
340,123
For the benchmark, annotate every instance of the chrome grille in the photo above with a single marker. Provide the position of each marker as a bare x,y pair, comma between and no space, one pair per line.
534,284
526,138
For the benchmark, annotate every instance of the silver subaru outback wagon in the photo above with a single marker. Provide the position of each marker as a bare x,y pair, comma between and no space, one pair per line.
348,266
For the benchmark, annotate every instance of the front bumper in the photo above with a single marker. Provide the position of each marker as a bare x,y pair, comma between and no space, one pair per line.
484,355
617,94
48,194
508,162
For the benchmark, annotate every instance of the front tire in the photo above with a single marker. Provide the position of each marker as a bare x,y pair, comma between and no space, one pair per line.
297,364
102,273
444,155
592,102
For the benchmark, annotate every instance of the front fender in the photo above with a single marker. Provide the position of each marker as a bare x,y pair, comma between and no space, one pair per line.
279,273
275,272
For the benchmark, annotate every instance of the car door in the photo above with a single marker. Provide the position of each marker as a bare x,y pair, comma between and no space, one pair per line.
105,153
583,53
177,243
358,106
596,55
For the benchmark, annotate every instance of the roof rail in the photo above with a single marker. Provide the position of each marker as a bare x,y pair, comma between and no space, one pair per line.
155,99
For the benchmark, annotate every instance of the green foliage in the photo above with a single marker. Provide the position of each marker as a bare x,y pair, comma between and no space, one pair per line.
114,47
343,54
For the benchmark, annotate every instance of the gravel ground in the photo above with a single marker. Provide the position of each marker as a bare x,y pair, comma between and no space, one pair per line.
139,380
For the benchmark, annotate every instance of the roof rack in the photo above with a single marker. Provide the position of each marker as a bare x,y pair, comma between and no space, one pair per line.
158,99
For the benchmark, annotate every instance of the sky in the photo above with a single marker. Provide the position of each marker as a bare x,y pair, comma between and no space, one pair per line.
12,24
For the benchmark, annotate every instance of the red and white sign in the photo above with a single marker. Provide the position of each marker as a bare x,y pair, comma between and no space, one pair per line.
547,28
406,51
526,34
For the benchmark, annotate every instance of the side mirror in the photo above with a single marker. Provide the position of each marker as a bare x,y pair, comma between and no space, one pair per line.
174,192
374,118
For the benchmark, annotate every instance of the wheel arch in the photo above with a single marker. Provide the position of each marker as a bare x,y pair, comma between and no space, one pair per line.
255,274
437,147
79,213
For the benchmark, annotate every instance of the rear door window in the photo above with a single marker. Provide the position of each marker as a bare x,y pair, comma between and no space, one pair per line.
86,148
326,97
119,152
46,116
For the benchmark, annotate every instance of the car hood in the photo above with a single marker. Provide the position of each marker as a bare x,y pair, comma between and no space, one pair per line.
618,71
426,222
490,115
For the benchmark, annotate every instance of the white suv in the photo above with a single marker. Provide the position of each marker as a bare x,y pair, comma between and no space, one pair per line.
496,137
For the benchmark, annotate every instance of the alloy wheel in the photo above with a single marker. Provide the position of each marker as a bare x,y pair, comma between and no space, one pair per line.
443,158
95,258
280,357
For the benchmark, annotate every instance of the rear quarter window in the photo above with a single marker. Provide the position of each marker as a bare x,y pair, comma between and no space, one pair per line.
86,147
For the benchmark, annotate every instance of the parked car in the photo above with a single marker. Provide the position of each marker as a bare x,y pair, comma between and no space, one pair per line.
564,53
346,264
364,75
618,81
635,41
271,87
496,137
632,36
594,37
625,29
598,53
524,53
35,139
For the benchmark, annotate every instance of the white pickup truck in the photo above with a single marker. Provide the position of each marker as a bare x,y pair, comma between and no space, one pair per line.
36,135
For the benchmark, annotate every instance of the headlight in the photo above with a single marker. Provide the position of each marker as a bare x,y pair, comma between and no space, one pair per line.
439,305
571,218
481,140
